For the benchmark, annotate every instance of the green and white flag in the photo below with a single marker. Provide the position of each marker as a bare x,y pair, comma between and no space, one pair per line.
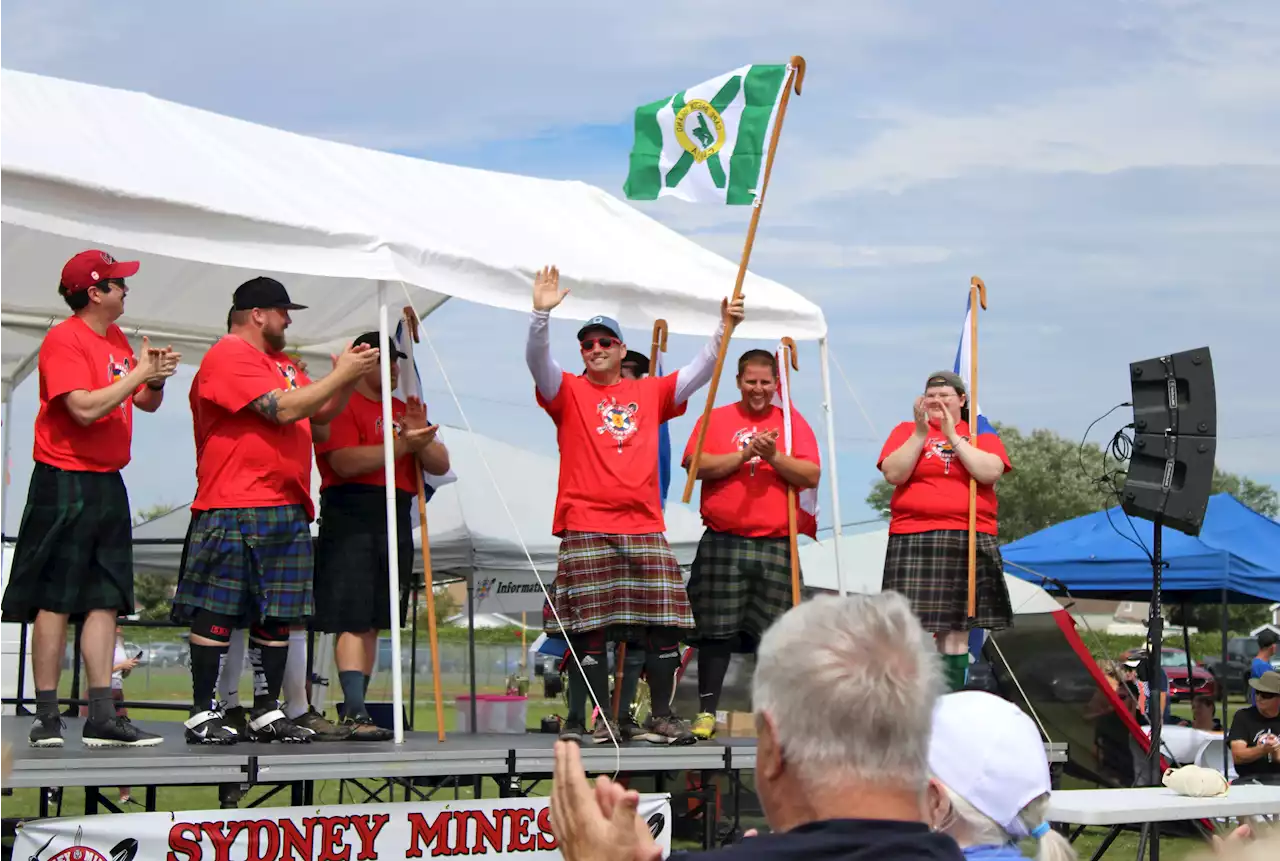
708,143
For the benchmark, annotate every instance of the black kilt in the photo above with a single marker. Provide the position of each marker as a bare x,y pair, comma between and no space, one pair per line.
738,586
932,570
75,546
351,589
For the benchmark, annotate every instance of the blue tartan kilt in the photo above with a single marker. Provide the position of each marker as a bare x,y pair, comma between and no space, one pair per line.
251,564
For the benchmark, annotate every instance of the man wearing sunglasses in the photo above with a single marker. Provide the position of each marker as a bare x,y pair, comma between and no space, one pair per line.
1255,733
74,556
616,577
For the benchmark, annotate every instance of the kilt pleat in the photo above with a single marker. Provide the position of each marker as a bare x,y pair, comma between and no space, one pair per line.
931,569
739,585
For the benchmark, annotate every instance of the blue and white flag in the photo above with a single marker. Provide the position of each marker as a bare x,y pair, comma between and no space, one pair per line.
978,423
664,449
410,386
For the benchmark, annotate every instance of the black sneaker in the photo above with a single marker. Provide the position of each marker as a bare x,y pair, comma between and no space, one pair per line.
210,727
606,731
117,732
46,731
668,729
572,730
362,728
629,730
321,728
268,725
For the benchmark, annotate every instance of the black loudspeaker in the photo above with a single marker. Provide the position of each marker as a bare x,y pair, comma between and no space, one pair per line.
1175,419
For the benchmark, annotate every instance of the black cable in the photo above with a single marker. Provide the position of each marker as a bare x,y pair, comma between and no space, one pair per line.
1119,449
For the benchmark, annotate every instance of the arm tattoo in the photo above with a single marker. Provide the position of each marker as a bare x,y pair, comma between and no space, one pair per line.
267,406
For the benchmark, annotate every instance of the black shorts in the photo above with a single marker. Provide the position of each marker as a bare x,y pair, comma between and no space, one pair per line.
75,546
352,593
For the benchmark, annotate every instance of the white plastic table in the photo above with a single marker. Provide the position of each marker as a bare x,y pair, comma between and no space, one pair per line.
1157,804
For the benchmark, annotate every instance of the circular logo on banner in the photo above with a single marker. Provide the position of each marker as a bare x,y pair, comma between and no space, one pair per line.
79,853
699,130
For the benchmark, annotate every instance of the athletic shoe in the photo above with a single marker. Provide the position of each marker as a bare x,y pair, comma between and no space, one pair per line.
210,727
668,729
117,732
572,730
46,732
268,725
600,733
323,730
629,730
237,717
362,728
704,726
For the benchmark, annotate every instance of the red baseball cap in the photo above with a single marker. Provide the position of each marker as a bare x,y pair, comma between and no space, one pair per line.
89,267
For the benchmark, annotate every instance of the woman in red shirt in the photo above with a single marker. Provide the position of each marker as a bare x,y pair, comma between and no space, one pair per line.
929,461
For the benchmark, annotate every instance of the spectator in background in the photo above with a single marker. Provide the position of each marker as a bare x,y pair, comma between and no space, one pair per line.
1267,640
1255,733
1203,716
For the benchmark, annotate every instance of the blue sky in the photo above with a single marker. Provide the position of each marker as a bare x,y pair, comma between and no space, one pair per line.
1110,169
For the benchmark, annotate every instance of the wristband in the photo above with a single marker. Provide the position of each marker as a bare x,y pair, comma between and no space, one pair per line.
156,388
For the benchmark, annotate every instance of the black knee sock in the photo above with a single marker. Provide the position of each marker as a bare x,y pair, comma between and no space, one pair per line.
353,683
47,705
366,677
661,662
206,665
577,695
713,663
632,667
268,664
590,649
101,706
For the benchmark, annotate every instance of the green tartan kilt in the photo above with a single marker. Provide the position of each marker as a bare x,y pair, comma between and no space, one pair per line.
75,546
739,586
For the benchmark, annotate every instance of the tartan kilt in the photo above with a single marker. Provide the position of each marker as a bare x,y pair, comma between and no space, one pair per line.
352,593
251,564
622,584
932,570
739,585
75,547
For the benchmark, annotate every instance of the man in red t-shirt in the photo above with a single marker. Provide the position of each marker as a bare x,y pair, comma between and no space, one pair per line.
353,596
248,555
741,578
74,556
616,577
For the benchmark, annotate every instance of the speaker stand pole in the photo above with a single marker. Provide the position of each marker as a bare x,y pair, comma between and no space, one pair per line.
1155,710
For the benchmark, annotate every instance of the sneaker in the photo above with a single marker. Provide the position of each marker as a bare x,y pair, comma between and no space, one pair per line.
322,730
237,717
210,727
572,730
46,732
629,730
362,728
117,732
600,733
704,726
268,725
668,729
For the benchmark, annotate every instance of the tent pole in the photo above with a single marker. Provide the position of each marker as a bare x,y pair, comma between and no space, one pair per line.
825,357
1222,684
471,640
393,541
8,434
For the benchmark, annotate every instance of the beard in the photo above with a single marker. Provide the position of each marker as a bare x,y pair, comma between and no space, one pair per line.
275,340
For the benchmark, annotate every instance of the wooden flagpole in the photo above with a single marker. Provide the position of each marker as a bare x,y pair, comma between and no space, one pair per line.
659,345
790,363
795,78
411,320
977,295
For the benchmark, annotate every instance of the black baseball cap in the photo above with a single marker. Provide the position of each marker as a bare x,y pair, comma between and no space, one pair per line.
640,360
263,292
370,339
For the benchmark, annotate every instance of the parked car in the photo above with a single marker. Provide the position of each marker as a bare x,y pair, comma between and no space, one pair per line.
1240,654
1174,662
167,655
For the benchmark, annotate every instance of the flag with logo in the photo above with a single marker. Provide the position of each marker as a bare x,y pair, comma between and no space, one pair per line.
807,503
707,144
964,355
410,386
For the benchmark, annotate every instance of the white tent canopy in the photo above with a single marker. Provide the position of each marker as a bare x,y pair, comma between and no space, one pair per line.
208,201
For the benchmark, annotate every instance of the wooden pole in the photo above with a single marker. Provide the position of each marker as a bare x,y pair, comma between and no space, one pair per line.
790,363
977,296
659,345
795,78
433,636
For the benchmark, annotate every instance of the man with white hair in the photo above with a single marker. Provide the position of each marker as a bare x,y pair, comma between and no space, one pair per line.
842,757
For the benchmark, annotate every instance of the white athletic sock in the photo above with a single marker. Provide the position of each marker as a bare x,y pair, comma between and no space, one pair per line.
232,667
294,689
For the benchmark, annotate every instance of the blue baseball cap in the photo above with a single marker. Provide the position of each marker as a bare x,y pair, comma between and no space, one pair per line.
609,324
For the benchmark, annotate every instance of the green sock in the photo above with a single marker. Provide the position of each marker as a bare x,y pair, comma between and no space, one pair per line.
955,669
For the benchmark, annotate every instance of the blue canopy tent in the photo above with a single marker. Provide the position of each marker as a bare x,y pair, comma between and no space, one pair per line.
1235,558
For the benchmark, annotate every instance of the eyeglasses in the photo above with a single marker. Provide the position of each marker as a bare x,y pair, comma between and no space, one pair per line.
605,343
1265,695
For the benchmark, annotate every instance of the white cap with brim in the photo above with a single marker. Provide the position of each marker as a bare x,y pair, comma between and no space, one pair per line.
990,754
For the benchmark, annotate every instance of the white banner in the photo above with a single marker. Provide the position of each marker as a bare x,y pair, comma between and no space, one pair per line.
350,832
516,592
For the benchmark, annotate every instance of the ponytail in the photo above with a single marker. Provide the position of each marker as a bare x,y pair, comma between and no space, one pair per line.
968,826
1050,845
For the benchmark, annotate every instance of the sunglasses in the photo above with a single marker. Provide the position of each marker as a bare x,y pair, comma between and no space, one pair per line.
605,343
1265,695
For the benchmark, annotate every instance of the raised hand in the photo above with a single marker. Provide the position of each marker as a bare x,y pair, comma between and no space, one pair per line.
546,289
732,313
765,445
921,415
150,365
948,424
415,415
356,361
169,360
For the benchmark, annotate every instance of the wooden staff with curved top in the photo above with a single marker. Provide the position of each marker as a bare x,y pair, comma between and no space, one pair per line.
792,363
411,320
659,345
977,296
795,78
